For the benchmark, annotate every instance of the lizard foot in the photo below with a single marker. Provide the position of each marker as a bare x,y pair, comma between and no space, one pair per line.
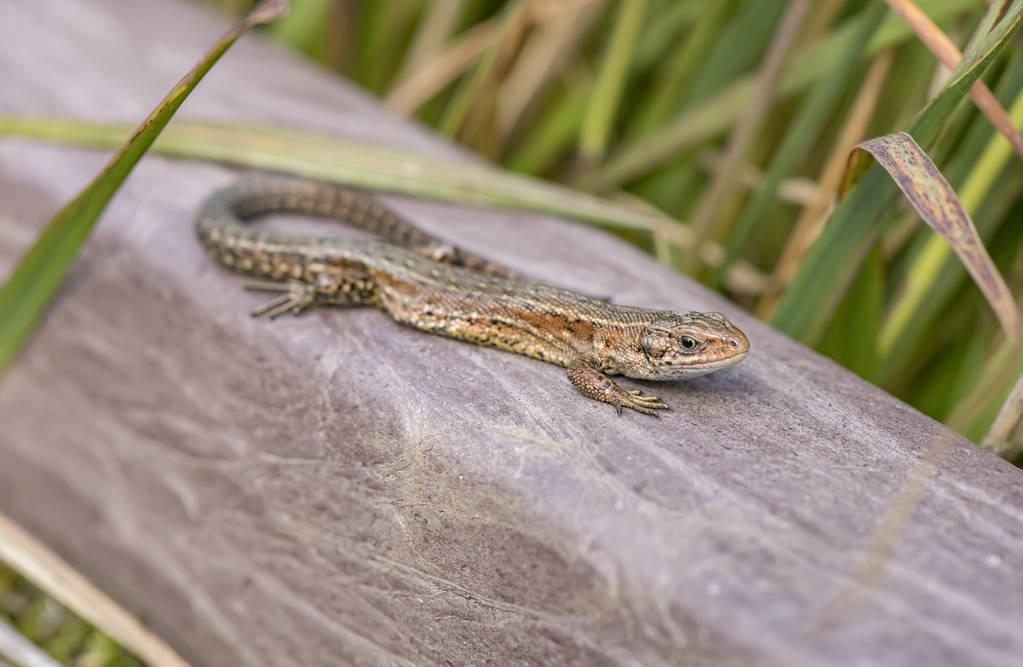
594,384
642,399
638,401
296,297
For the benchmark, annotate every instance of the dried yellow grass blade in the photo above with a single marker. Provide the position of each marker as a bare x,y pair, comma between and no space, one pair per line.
815,214
934,199
47,571
420,84
999,434
946,52
750,121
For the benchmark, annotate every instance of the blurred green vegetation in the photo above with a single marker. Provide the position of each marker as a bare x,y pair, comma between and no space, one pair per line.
61,634
651,96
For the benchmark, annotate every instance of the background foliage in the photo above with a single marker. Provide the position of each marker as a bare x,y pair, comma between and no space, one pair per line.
735,118
64,636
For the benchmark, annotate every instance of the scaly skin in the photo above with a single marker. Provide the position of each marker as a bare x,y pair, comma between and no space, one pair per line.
422,282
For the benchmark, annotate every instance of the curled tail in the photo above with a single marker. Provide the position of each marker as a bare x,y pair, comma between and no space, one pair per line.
227,211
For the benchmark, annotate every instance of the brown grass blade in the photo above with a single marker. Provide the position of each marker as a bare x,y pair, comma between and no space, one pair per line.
949,56
1002,365
814,216
721,188
553,43
419,84
934,199
821,19
440,22
47,571
998,436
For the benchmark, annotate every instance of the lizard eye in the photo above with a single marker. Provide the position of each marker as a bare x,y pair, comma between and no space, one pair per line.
687,342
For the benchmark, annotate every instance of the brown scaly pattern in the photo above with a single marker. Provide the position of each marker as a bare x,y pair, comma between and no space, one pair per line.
423,282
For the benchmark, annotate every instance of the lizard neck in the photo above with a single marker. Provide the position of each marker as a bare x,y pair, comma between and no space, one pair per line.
617,345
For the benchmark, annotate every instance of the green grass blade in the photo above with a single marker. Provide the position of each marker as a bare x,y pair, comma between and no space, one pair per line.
607,92
948,378
849,337
975,414
439,23
740,47
671,87
380,37
553,133
709,216
662,28
34,281
477,84
714,116
802,132
831,265
554,129
304,28
349,163
721,51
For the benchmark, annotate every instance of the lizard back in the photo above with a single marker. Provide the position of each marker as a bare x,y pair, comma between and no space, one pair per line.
414,276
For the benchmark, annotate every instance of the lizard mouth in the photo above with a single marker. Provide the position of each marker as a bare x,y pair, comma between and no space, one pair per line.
717,364
687,371
724,359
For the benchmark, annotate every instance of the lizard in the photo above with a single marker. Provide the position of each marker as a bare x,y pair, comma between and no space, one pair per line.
423,282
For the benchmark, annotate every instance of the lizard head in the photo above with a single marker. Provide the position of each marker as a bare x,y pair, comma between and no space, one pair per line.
681,345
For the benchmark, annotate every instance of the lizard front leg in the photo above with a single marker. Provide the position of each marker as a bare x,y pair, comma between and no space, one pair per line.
324,287
594,384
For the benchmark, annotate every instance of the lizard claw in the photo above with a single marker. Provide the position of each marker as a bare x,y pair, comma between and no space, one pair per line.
648,405
634,399
296,297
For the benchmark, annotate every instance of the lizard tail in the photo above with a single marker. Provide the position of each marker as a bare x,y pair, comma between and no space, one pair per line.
253,196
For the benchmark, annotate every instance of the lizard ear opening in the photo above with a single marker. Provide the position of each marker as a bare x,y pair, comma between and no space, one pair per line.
655,342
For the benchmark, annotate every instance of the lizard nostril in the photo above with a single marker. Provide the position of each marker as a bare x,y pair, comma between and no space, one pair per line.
734,343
